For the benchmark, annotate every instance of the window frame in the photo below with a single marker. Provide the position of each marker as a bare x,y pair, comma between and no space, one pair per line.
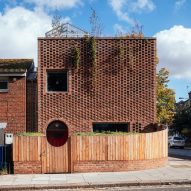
4,79
57,71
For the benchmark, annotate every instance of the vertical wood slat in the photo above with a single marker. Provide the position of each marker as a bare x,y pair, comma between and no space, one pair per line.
121,147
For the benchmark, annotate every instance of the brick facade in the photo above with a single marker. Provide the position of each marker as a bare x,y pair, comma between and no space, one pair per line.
13,105
121,88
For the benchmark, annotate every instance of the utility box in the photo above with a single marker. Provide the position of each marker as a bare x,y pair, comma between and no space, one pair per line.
8,138
1,156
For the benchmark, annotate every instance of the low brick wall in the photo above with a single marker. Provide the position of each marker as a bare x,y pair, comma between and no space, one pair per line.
24,167
114,166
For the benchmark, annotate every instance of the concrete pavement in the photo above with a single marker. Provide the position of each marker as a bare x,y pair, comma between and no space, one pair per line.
178,171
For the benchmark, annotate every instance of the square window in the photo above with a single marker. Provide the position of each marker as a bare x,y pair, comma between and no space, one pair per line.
57,81
3,85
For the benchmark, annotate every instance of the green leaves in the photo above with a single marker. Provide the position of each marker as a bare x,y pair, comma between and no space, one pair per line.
165,98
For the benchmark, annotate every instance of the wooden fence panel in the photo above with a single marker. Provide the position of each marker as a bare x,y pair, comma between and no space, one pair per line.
26,148
90,148
121,147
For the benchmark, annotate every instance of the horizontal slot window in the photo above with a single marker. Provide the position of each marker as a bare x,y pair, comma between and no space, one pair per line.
113,127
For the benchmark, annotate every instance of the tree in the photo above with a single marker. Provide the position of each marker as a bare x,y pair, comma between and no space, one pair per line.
165,98
182,123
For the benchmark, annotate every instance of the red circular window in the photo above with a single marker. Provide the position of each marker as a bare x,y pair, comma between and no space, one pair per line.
57,133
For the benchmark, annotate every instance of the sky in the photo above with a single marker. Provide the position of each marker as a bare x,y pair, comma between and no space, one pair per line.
23,21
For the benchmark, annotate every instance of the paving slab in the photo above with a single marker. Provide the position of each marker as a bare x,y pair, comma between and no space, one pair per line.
178,171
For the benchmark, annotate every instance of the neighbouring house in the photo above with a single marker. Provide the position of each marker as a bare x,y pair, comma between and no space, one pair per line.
17,95
96,84
184,105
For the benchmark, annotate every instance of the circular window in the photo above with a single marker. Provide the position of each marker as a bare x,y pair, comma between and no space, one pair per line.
57,133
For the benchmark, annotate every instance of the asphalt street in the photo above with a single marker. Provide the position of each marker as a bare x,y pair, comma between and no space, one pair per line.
184,153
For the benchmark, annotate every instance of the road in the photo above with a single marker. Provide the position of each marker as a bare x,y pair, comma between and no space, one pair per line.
185,153
161,188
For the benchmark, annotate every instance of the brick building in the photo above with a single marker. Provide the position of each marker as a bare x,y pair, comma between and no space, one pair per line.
15,85
97,84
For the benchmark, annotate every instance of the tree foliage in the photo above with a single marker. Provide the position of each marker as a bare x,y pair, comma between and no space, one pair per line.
165,98
182,123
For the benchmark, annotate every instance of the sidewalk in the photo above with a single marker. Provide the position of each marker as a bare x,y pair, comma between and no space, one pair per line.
178,171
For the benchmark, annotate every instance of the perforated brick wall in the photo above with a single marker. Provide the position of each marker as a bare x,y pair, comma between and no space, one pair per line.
13,105
119,87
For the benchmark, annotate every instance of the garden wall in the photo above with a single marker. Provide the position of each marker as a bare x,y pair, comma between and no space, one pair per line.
91,153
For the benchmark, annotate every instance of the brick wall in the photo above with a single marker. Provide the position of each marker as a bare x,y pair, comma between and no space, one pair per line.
13,105
35,167
121,89
31,104
32,167
117,166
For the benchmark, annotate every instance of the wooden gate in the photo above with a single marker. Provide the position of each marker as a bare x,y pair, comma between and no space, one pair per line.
54,159
37,150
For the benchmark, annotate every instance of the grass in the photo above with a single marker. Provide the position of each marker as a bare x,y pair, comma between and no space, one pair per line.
30,134
102,133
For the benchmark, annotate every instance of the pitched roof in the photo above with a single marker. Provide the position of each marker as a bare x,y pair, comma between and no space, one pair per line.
66,30
15,65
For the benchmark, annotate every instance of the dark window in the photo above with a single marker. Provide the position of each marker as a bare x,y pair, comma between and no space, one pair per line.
115,127
57,133
178,139
3,85
57,81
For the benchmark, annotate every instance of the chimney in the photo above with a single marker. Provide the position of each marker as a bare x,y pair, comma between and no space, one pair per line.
189,94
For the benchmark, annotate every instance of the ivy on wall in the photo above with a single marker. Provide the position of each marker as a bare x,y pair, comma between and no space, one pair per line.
76,58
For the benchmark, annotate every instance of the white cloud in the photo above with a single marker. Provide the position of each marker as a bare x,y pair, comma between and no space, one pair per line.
121,7
117,6
179,4
20,29
140,5
55,4
174,50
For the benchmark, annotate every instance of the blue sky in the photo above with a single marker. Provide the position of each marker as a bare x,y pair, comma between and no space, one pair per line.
22,21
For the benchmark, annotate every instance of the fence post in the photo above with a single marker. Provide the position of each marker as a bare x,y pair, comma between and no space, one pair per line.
70,155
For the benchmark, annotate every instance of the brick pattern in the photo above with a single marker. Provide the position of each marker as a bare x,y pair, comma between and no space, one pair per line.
122,88
31,104
32,167
117,166
35,167
13,105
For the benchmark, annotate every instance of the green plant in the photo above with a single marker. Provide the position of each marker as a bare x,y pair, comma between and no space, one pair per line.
92,46
76,57
30,134
103,133
3,171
